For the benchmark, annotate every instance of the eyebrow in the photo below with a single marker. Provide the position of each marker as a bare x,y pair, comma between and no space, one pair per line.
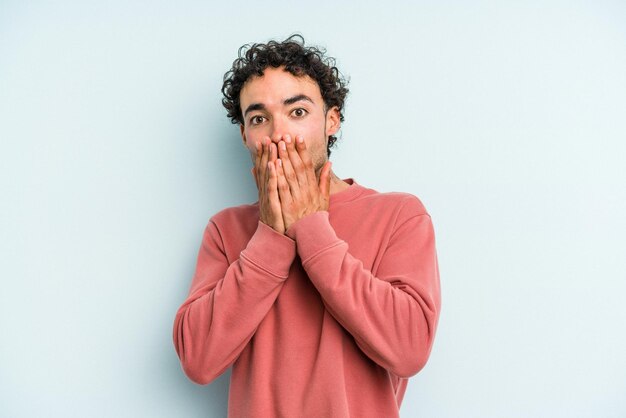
286,102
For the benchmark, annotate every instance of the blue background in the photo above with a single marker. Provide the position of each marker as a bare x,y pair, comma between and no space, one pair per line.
507,119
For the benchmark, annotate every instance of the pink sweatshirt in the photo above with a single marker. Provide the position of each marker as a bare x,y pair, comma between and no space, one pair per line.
329,320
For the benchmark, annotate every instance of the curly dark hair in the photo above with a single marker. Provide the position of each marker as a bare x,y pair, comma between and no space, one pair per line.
298,60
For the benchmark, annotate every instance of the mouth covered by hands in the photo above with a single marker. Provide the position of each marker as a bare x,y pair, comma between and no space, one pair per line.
288,186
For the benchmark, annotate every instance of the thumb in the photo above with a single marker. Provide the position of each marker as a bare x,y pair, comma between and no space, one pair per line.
253,172
325,180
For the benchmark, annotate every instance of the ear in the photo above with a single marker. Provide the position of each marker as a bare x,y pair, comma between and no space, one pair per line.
243,135
333,122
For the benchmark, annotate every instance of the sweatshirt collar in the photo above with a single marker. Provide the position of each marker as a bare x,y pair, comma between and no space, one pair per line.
349,193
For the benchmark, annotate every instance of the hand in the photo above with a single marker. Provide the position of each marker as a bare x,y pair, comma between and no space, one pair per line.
298,188
265,175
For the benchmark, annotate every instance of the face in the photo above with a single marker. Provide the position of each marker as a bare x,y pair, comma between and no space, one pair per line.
279,103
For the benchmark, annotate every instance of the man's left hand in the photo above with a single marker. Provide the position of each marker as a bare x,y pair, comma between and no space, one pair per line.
299,190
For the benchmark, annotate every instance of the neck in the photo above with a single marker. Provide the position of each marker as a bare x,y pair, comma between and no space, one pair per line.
336,184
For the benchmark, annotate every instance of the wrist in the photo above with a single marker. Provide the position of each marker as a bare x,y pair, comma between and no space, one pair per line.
290,230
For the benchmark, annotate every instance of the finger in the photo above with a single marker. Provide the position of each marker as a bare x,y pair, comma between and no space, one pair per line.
288,170
284,192
257,158
265,169
257,161
263,158
325,181
259,153
273,152
296,162
253,172
272,192
305,156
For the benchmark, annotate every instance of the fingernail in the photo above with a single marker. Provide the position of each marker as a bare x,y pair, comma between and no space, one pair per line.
300,139
283,146
288,139
280,163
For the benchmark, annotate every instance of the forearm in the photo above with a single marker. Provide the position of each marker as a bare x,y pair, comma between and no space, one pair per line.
227,303
392,317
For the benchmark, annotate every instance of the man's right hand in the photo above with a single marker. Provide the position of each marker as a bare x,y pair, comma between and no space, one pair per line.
264,172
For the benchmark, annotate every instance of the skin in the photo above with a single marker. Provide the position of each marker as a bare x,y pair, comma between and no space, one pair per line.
286,128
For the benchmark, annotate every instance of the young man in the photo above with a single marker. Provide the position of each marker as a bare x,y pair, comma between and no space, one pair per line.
324,295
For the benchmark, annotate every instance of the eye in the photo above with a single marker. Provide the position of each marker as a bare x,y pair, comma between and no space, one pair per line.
299,112
255,120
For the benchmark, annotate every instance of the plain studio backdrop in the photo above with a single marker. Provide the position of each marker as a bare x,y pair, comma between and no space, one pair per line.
507,119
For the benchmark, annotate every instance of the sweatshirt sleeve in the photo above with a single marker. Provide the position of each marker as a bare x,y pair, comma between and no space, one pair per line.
392,316
227,302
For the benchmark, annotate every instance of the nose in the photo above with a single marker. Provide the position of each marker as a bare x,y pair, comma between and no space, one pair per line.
278,129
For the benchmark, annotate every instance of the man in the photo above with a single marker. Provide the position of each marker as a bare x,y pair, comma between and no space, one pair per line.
324,295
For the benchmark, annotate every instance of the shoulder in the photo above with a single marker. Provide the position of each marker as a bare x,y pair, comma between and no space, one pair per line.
407,202
404,204
374,209
233,226
236,215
